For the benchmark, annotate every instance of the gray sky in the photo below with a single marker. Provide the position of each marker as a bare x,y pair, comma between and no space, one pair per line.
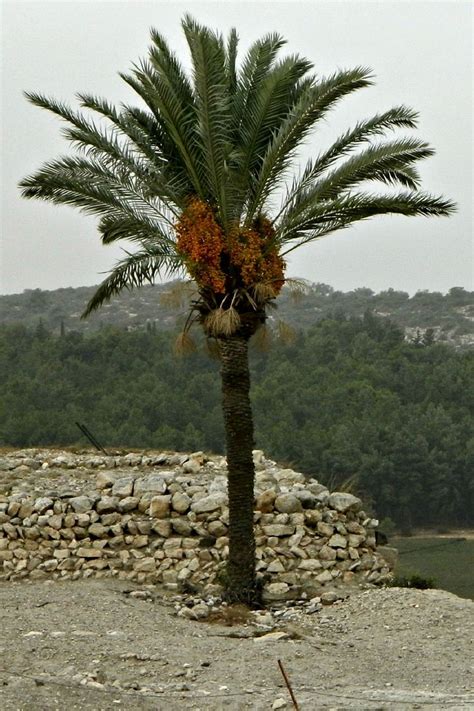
421,54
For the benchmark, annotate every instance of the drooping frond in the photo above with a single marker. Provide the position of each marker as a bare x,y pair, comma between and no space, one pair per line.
389,163
88,136
140,145
184,344
116,226
94,188
178,295
298,288
134,271
143,155
326,217
398,117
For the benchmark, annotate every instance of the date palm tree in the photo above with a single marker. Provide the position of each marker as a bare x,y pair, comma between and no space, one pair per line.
197,178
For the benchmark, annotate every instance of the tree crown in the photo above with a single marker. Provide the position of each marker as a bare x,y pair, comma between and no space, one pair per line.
192,176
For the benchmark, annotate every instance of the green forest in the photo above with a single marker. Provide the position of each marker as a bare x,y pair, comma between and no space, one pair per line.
347,400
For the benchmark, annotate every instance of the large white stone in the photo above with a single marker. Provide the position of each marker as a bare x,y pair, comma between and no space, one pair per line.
80,504
278,529
43,504
123,487
324,577
276,591
153,483
180,502
325,529
288,476
342,502
209,503
288,503
337,541
160,506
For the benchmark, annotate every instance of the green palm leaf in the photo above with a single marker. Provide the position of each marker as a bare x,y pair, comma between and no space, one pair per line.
95,188
213,126
398,117
326,217
312,106
134,271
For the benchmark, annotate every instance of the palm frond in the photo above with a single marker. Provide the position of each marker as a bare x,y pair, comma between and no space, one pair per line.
184,344
141,143
312,105
262,339
117,226
173,114
144,152
87,135
398,117
286,333
169,69
94,188
212,110
389,163
298,288
255,67
231,61
270,106
174,178
332,215
179,294
134,271
222,322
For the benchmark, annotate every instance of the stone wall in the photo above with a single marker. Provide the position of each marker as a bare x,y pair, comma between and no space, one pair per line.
162,518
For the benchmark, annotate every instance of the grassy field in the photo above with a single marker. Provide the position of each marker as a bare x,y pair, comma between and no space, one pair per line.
449,561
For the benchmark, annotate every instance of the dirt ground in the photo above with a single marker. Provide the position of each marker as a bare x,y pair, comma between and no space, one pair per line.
92,645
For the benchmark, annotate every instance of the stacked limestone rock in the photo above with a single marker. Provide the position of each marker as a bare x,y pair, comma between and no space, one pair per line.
163,518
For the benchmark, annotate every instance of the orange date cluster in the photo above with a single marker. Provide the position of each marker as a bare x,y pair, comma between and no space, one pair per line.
241,259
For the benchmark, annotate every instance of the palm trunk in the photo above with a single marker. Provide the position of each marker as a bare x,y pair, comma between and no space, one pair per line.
240,579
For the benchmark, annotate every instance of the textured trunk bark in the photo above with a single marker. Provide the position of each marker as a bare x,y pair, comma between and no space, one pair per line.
240,579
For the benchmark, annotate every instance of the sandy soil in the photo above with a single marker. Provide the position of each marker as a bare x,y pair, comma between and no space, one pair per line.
92,645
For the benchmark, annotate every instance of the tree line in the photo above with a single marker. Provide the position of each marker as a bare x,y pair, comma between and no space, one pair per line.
347,400
450,315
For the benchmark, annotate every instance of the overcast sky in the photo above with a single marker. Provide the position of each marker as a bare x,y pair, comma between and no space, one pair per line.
420,52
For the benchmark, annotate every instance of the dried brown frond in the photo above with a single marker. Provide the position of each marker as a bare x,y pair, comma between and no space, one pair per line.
286,333
298,288
222,322
262,339
263,292
184,344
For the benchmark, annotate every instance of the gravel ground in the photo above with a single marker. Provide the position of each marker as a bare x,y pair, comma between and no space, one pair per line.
92,645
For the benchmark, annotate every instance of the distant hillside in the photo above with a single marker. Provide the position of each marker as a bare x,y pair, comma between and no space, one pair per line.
426,315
